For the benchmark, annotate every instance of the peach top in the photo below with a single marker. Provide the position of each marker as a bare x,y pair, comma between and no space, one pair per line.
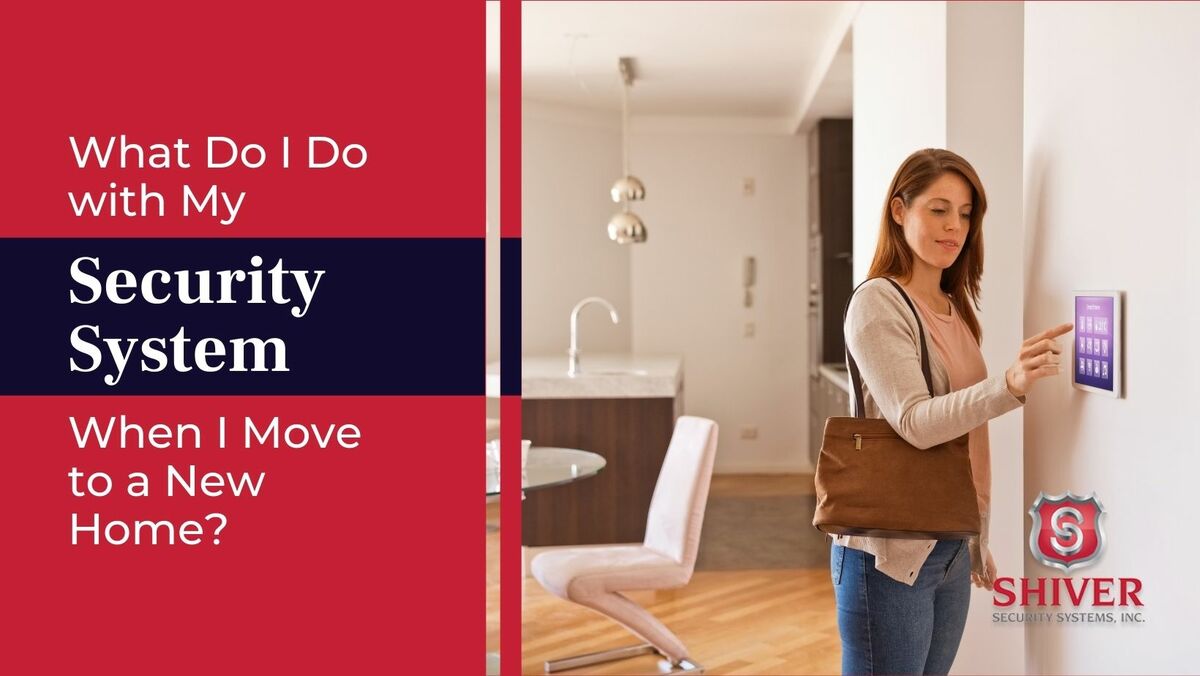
964,364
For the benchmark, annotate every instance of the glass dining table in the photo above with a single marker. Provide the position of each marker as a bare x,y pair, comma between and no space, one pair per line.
546,466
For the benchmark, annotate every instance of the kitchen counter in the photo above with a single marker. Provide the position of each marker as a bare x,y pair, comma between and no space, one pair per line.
829,396
602,376
836,374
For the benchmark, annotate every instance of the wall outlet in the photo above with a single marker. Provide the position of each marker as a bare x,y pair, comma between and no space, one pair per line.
749,431
749,329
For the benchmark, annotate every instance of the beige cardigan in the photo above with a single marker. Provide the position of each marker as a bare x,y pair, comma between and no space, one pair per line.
881,333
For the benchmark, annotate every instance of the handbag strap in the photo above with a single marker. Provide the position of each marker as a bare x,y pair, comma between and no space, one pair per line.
856,377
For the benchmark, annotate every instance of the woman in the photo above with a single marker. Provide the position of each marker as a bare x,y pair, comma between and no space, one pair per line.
902,604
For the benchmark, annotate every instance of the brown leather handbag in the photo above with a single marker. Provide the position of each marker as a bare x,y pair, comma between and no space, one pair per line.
872,482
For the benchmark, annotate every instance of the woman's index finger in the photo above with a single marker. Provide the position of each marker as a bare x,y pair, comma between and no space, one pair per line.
1050,333
1058,330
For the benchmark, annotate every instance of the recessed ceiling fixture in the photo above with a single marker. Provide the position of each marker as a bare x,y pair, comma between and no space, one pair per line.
626,227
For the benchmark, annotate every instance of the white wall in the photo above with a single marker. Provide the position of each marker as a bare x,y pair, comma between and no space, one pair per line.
899,103
687,285
569,161
949,76
983,124
1111,145
492,241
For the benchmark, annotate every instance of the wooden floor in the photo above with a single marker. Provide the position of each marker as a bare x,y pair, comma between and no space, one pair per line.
733,622
492,576
761,485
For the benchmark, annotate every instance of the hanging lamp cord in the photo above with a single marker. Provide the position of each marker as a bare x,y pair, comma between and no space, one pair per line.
624,128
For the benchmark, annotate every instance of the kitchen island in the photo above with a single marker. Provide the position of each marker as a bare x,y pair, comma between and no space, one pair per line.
621,406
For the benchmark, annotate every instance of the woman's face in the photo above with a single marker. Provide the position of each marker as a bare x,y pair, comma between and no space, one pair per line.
937,221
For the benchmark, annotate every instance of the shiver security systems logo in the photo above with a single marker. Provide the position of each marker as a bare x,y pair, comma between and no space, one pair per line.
1066,532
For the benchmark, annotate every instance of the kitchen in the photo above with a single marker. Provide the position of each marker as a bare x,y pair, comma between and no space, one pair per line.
710,316
741,274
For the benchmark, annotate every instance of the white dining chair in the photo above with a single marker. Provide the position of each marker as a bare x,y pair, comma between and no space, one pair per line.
594,577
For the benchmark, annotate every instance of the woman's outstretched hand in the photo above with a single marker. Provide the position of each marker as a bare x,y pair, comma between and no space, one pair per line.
1040,357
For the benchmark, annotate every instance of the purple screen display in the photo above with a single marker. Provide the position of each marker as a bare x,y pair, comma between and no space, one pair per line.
1094,341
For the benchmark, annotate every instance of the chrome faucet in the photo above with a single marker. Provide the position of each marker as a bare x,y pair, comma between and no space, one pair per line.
573,353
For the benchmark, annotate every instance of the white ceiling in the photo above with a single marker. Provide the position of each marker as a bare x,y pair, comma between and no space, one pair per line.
713,59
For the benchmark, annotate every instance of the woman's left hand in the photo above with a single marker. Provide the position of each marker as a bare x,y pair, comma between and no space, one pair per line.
989,575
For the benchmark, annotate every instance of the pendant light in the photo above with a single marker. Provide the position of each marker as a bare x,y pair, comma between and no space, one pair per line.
626,227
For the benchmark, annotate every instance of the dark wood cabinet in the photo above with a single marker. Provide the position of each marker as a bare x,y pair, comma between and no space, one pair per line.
831,172
631,434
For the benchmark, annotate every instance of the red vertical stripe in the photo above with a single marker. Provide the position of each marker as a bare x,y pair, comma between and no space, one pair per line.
510,118
511,569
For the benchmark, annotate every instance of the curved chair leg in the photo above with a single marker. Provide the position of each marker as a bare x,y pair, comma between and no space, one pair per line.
641,623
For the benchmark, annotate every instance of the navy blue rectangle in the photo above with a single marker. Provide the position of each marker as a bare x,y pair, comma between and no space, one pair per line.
390,316
510,316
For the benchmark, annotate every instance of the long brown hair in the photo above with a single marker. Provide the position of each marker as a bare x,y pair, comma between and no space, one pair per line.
894,258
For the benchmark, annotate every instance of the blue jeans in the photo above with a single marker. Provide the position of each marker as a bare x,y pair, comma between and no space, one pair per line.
888,627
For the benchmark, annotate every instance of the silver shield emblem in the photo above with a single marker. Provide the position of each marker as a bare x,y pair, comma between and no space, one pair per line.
1066,532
